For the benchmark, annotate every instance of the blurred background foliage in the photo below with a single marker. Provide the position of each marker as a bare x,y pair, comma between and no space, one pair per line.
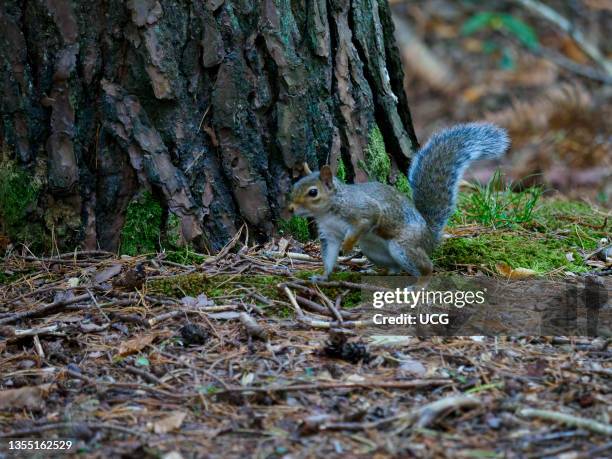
513,63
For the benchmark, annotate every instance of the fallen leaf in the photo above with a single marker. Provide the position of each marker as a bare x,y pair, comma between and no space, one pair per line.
73,282
355,378
108,273
247,379
169,423
413,367
138,343
537,368
201,301
29,397
514,273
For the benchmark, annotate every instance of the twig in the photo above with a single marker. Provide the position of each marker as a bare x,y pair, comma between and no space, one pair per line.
188,365
350,285
122,385
21,333
93,298
311,305
43,309
583,423
412,384
420,417
293,301
333,308
229,246
430,412
252,327
304,257
72,426
160,318
147,376
38,347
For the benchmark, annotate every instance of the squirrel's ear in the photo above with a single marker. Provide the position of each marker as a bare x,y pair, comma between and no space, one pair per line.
326,176
301,170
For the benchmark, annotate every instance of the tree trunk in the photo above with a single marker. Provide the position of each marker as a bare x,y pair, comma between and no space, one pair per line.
211,105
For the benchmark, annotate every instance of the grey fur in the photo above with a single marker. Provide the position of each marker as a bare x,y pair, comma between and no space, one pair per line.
438,167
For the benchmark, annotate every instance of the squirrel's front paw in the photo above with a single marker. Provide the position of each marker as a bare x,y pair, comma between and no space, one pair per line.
321,278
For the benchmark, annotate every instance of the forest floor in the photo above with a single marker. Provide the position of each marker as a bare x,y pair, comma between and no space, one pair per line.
213,356
183,355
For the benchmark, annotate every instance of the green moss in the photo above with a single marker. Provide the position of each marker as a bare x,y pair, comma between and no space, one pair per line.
185,256
296,227
402,185
18,197
141,230
377,163
214,286
528,231
541,253
539,238
575,223
341,171
217,286
173,231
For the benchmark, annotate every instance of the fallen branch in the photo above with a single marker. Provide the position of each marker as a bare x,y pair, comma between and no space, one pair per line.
411,384
293,301
420,417
44,309
427,414
304,257
583,423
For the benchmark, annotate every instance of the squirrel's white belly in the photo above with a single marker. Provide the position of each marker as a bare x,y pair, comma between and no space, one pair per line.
376,249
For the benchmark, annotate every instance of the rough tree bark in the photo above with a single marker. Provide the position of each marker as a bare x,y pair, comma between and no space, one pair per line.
212,105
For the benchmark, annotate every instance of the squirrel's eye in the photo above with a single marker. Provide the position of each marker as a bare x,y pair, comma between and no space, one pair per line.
313,192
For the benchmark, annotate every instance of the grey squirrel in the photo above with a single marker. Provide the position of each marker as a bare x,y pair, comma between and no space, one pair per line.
393,232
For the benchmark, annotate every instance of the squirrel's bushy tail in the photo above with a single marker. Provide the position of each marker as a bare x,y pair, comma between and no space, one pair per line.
437,168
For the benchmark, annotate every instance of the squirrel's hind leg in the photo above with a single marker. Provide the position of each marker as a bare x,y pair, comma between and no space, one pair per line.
412,259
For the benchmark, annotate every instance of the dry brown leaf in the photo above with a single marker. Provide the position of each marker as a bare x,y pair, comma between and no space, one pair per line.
514,273
573,51
169,423
29,397
138,343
